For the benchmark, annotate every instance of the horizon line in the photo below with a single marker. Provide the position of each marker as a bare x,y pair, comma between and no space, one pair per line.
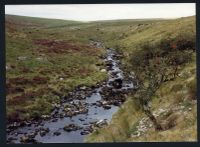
84,21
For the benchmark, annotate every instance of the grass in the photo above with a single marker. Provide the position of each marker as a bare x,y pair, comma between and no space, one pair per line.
179,93
166,97
57,49
39,50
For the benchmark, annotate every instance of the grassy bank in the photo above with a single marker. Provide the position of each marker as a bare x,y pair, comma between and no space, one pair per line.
166,49
45,59
172,102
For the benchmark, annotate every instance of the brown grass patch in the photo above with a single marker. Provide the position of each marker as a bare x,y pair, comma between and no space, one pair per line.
84,71
60,47
40,80
16,100
13,89
19,81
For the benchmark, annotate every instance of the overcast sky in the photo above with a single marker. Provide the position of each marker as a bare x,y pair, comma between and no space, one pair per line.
92,12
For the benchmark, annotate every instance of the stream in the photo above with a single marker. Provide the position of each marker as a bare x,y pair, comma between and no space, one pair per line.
81,112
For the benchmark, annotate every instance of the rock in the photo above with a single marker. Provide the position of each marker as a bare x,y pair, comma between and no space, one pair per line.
106,106
9,142
117,56
32,135
39,59
8,130
56,133
45,116
55,113
182,107
109,68
11,139
42,124
54,120
14,125
61,79
8,67
117,83
81,119
71,113
114,73
101,123
83,88
28,123
190,109
83,110
109,63
116,103
89,128
44,131
99,104
103,70
85,133
21,58
99,64
16,133
93,122
104,102
27,139
62,115
93,104
71,127
150,125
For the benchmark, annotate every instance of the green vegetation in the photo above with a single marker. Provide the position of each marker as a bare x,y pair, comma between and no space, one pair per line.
48,58
162,55
44,63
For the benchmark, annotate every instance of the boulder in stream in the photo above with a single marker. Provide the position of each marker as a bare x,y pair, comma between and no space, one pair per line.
101,123
43,131
117,83
106,106
27,139
56,133
71,127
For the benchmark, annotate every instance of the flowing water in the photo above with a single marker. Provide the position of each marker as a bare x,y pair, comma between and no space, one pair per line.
94,113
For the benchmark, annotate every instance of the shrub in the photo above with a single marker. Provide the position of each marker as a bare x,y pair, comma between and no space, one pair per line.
158,63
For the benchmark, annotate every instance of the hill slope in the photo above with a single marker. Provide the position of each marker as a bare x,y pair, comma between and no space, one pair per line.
43,63
46,59
174,101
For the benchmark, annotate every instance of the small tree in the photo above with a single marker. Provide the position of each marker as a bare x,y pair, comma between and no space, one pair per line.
153,80
157,64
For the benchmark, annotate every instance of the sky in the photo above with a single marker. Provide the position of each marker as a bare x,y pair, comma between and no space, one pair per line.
93,12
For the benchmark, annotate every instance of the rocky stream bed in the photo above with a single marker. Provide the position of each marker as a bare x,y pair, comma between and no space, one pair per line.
81,112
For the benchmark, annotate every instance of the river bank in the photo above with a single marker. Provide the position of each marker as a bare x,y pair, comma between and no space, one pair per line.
81,112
